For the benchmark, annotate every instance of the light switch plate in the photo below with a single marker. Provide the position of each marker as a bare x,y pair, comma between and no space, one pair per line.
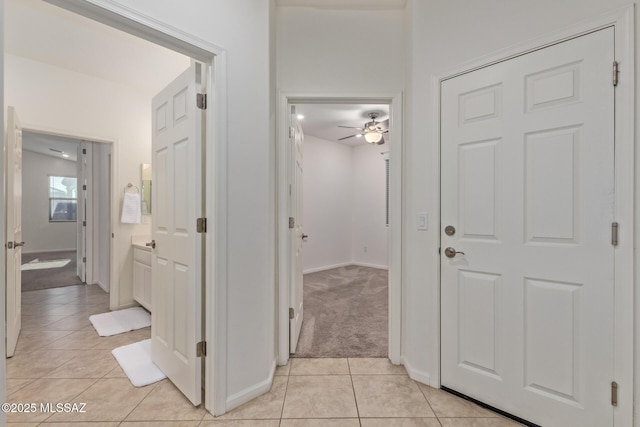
423,221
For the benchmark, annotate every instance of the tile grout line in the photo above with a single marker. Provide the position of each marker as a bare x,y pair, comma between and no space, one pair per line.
353,388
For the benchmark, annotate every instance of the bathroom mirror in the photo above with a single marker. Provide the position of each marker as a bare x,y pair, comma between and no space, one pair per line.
145,192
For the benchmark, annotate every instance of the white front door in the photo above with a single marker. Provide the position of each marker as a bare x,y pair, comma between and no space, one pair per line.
176,315
14,230
295,206
528,185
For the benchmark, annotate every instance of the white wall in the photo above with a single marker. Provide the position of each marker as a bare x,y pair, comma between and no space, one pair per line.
58,99
242,29
370,236
327,200
3,374
39,234
445,34
343,205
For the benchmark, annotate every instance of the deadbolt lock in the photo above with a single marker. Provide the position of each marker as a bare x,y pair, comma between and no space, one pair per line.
449,230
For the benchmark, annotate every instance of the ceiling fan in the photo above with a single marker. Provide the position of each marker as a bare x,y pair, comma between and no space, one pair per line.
372,131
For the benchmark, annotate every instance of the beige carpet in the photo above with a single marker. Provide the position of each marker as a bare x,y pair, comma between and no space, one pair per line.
345,313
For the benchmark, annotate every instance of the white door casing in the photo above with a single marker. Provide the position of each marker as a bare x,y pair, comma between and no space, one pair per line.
14,230
295,203
81,212
176,325
528,183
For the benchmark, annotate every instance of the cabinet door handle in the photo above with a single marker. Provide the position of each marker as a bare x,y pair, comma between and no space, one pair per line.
152,244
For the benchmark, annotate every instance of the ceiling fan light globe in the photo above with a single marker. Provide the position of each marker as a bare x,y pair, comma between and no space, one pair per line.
373,137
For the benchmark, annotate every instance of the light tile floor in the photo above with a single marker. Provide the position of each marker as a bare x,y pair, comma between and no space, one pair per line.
60,358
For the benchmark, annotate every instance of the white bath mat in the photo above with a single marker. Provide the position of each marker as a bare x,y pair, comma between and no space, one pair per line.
36,264
135,361
118,322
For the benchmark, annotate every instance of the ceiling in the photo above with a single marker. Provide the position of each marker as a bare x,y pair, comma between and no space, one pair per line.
40,31
322,120
346,4
46,144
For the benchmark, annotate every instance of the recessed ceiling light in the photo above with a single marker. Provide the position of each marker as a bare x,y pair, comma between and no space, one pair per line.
300,116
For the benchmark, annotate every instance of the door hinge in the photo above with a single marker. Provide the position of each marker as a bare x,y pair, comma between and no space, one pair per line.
201,349
616,71
84,223
614,393
201,101
291,313
614,233
201,225
84,259
292,222
292,131
84,151
84,187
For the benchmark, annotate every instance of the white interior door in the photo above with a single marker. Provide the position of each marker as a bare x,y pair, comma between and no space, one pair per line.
176,325
295,323
81,212
528,185
14,230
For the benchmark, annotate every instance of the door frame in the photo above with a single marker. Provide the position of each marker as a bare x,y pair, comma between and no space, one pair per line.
214,186
622,20
113,196
283,250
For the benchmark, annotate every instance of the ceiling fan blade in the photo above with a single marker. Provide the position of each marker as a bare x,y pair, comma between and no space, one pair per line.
351,127
382,141
347,137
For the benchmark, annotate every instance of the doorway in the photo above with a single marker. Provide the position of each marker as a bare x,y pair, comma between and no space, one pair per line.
344,223
290,297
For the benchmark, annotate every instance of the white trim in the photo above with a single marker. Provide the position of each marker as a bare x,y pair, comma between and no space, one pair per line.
622,20
252,392
417,375
116,15
54,250
364,264
102,285
283,252
326,267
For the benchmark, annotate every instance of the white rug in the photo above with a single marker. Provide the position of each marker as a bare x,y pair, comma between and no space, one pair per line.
36,264
135,361
118,322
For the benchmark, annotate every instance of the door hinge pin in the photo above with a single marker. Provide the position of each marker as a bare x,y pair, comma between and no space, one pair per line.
84,187
291,313
614,393
84,151
292,222
614,233
201,349
201,225
84,259
201,101
616,72
84,223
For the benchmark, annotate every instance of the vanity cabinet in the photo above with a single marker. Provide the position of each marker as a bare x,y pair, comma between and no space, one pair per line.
142,276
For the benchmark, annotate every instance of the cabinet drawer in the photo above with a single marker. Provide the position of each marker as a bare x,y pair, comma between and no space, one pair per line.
142,256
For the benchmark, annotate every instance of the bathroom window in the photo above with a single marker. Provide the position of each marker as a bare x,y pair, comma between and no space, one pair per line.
63,198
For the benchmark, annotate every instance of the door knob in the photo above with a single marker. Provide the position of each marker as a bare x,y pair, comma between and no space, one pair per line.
450,252
151,243
16,244
304,236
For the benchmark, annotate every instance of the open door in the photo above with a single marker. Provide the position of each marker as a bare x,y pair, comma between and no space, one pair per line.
14,230
295,207
176,316
81,213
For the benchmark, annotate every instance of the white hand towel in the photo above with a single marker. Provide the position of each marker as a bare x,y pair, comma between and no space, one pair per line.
131,208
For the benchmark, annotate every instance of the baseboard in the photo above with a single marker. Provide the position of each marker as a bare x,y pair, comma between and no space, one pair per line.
364,264
415,374
48,250
326,267
102,286
252,392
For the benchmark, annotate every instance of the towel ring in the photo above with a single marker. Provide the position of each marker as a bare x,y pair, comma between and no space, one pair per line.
131,186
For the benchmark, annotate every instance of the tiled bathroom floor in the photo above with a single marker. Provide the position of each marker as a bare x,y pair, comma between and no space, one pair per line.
60,359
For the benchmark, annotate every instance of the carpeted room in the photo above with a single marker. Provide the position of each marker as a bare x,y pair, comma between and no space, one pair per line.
345,219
